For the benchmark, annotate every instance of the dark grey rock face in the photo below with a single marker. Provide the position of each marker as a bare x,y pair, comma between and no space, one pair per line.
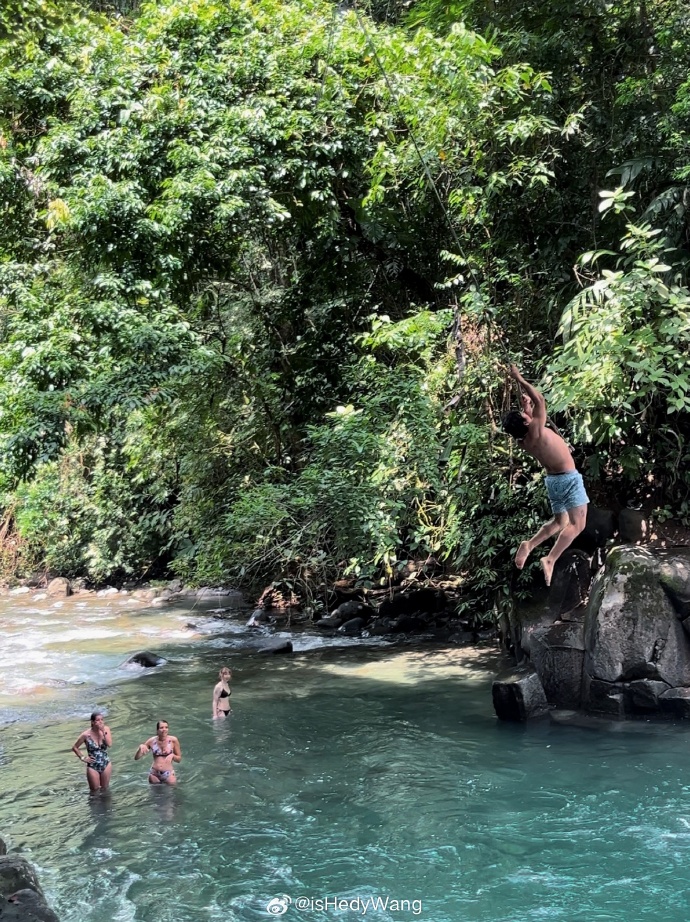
605,698
632,629
557,652
676,702
628,651
26,906
518,694
572,577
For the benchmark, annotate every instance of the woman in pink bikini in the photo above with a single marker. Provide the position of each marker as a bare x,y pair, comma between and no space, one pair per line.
165,750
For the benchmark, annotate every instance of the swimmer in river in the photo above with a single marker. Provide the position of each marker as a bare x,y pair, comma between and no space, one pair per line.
165,750
96,739
221,694
563,482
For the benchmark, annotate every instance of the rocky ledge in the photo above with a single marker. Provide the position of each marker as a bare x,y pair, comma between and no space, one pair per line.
623,653
21,897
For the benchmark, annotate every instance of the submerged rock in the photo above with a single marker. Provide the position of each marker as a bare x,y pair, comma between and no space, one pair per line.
146,659
572,577
274,647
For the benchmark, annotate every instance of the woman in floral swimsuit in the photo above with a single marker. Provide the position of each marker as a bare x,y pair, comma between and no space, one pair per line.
96,739
165,750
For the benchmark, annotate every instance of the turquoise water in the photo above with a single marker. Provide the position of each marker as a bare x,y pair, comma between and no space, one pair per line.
353,775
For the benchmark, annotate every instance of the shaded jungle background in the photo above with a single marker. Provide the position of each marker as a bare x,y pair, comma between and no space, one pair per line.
250,252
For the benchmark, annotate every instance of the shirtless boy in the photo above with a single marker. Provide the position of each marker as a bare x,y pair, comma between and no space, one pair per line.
563,482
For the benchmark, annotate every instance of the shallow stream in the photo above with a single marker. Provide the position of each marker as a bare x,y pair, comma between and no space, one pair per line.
346,774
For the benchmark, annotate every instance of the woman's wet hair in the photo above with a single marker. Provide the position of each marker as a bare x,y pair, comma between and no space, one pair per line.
158,725
95,715
224,669
514,424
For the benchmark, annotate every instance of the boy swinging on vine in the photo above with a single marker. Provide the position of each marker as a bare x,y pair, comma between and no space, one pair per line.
563,482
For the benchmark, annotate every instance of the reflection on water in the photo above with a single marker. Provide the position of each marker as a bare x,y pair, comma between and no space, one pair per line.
353,774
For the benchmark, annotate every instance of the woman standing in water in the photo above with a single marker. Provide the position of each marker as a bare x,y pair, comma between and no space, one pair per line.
96,739
221,694
165,750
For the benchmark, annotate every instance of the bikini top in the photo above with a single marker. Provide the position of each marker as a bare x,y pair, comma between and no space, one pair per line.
158,752
225,694
92,746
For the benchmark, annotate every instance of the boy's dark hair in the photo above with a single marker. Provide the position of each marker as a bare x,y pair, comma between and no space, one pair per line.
514,424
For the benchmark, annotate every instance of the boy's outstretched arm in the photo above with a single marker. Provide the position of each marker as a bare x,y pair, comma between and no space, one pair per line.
537,398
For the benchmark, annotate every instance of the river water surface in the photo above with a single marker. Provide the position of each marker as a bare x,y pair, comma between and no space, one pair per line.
374,778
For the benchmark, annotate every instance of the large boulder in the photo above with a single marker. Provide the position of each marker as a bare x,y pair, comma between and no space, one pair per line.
628,651
59,586
518,694
17,874
632,629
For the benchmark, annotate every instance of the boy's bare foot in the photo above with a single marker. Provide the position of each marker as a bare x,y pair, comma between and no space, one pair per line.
547,567
522,555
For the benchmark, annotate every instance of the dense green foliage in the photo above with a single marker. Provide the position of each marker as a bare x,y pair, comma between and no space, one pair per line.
236,238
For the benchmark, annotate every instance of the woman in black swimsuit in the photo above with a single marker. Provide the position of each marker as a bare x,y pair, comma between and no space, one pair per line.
96,739
221,694
165,750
